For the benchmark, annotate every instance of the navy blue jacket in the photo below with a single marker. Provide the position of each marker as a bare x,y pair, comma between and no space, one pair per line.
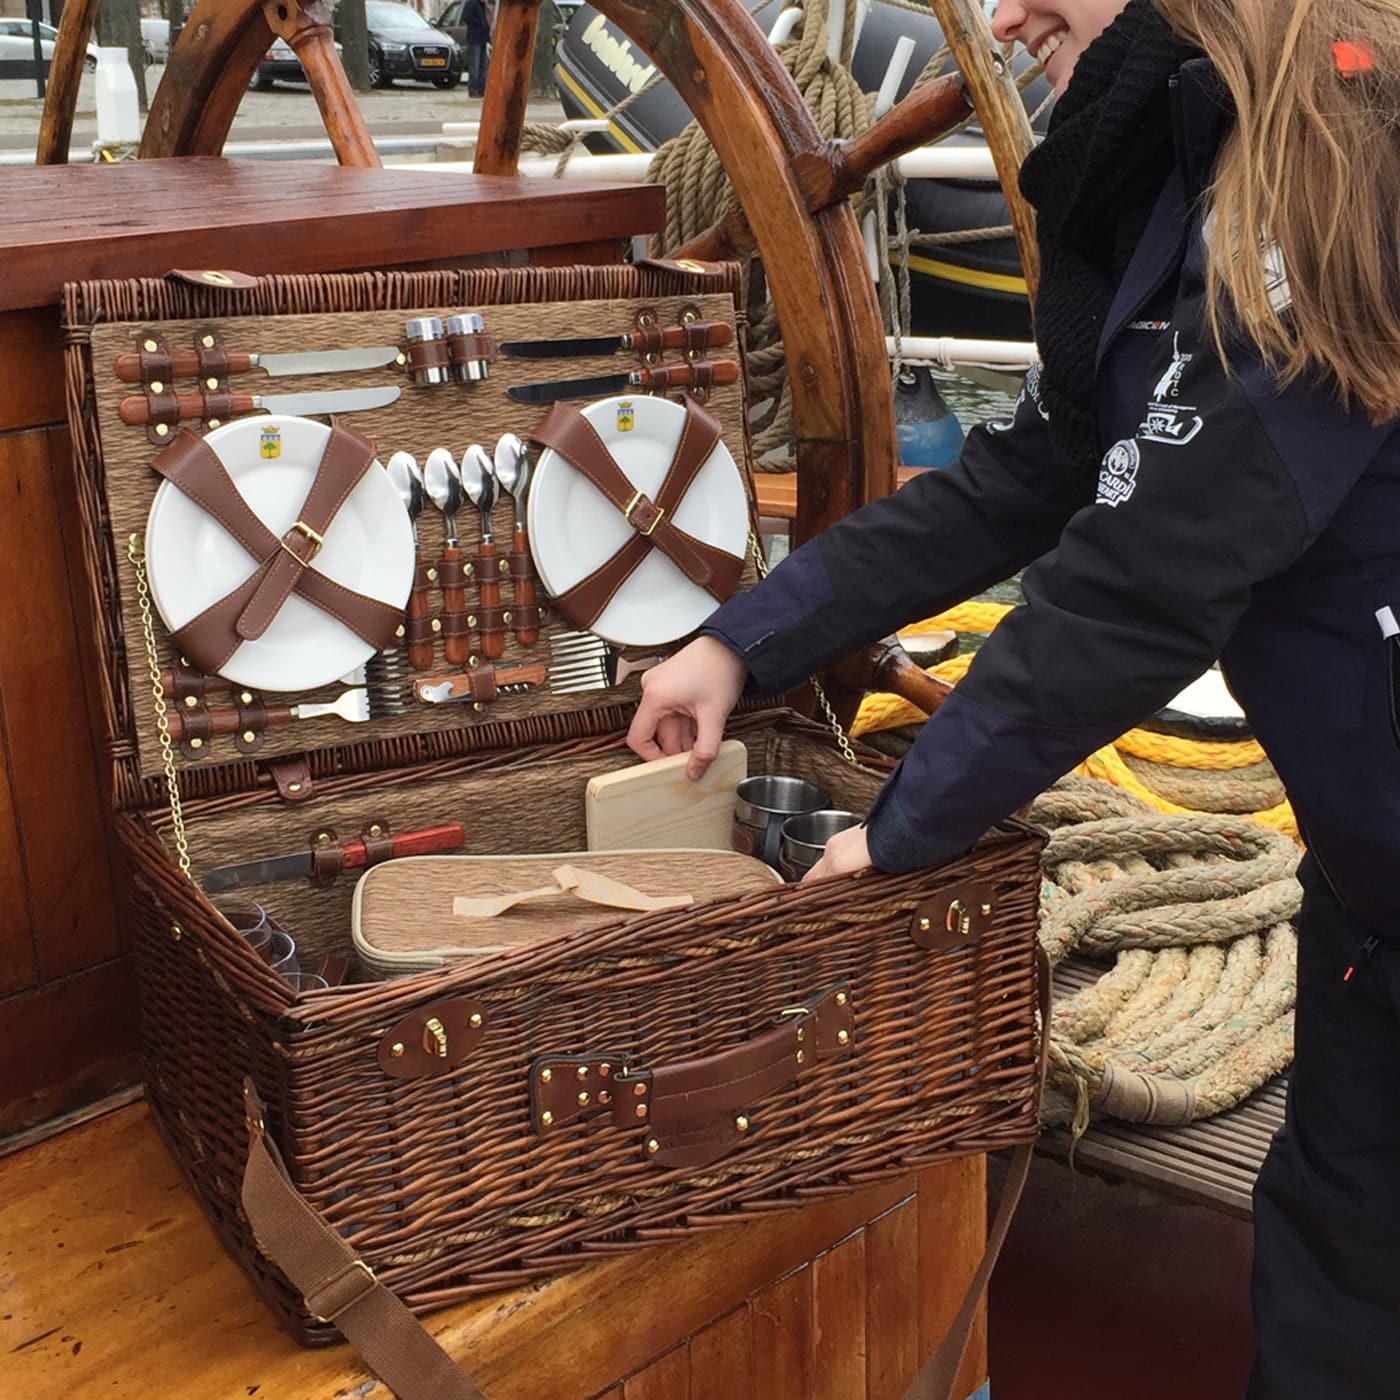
1232,519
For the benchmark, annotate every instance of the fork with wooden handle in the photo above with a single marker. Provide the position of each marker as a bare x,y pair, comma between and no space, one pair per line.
356,706
580,661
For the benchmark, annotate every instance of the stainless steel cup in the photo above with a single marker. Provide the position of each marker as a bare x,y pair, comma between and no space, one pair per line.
804,839
761,806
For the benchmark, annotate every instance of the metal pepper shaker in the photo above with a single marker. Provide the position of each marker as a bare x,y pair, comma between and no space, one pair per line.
427,350
468,366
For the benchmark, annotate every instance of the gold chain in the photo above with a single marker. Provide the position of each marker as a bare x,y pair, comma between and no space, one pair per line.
137,554
843,742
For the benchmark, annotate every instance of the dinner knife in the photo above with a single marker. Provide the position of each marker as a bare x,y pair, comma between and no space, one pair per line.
697,336
136,409
187,362
648,381
268,869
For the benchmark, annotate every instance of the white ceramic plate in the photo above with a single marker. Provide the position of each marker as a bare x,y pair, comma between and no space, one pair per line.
192,561
574,528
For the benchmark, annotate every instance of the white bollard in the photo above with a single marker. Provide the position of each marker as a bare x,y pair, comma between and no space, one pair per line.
118,111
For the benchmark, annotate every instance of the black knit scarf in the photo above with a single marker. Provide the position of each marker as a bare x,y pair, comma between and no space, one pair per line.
1092,182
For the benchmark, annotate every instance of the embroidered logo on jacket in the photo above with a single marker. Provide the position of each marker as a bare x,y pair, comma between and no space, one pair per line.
1118,474
1168,421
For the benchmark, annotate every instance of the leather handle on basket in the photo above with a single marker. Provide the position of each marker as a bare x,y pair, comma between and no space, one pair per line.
695,1110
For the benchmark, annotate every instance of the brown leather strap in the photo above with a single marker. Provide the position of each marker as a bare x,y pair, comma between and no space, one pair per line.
427,354
338,1286
570,434
465,348
215,634
939,1374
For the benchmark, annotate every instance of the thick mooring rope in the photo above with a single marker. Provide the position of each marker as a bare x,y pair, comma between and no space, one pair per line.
1196,1012
1181,777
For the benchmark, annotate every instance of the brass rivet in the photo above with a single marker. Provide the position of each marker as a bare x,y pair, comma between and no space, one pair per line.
505,617
323,838
293,787
191,702
162,429
653,1145
248,736
581,1072
604,1097
842,1037
196,743
437,624
583,1098
689,316
396,1049
641,1110
211,383
400,630
213,422
546,1075
207,341
639,1090
473,661
400,358
471,619
176,932
376,829
841,998
546,1118
646,319
432,575
925,925
478,706
157,386
475,1018
742,1123
604,1070
469,570
986,909
801,1034
149,345
801,1056
246,697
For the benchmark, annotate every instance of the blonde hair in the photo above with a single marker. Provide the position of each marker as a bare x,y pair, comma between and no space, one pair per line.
1311,173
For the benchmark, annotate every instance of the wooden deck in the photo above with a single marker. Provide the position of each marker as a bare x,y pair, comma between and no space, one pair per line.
114,1285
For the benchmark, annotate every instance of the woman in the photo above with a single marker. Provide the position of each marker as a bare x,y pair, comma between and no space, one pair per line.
1206,466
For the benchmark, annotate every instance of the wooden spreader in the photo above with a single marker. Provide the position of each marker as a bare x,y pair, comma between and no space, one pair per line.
388,1147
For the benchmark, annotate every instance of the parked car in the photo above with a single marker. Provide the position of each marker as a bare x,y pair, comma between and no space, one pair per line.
278,65
402,44
155,34
17,43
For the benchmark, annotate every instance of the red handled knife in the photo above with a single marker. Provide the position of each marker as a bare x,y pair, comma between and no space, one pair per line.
287,867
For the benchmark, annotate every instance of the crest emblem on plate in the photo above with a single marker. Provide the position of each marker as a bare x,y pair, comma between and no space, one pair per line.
270,443
624,416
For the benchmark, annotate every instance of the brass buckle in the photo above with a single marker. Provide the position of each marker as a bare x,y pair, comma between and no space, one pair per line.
350,1302
301,527
632,505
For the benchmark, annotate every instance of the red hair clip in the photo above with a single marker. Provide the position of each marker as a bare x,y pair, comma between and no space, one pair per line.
1352,57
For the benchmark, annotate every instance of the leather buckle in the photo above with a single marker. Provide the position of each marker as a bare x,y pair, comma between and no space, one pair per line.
302,528
333,1286
656,516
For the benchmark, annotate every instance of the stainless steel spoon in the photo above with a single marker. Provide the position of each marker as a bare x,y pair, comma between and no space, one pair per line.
444,486
479,481
513,471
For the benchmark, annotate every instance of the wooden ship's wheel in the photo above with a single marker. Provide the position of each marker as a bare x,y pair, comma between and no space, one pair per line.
792,185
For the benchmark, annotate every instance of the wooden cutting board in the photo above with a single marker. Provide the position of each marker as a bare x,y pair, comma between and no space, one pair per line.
654,806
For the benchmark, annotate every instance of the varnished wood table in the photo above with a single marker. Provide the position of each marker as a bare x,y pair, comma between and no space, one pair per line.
67,1007
115,1286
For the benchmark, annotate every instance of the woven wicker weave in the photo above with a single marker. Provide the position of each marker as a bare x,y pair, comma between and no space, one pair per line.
441,1182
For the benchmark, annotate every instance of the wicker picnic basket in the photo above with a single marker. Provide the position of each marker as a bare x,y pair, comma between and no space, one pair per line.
573,1098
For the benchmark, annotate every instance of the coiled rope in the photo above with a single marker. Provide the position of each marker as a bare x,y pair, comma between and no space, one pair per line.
1195,1013
1180,777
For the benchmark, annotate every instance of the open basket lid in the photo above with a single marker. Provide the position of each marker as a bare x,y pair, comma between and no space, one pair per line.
116,487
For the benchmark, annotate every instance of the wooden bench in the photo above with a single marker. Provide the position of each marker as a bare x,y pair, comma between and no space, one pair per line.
115,1285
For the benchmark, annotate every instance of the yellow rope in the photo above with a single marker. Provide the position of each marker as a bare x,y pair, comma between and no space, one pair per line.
890,711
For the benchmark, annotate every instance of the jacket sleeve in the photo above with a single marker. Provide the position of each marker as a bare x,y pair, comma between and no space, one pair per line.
945,535
1226,483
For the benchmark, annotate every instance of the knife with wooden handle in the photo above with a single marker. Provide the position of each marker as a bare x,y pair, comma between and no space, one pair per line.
647,340
136,409
191,363
700,375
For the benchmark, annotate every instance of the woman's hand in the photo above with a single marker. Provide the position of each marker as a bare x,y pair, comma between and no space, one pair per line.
845,854
685,702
